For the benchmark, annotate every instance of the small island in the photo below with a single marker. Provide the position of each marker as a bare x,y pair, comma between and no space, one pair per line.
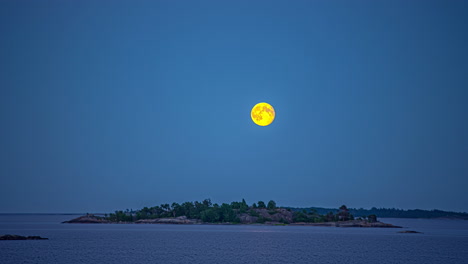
409,232
16,237
206,212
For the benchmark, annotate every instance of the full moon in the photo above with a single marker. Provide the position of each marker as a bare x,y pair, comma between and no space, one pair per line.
262,114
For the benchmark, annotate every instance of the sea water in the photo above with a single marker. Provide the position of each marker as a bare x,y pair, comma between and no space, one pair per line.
441,241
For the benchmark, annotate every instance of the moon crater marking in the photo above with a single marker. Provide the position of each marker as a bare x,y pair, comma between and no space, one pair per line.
263,114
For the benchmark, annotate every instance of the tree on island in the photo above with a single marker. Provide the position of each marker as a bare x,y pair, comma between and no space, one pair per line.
372,218
271,205
261,204
343,214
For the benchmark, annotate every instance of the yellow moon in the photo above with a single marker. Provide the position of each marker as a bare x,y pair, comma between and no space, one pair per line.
262,114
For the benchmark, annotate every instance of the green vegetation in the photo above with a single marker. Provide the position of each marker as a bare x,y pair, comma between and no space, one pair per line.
235,212
259,212
271,205
205,211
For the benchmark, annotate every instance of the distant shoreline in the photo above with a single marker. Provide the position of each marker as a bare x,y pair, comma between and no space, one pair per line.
241,212
379,212
48,213
102,214
385,217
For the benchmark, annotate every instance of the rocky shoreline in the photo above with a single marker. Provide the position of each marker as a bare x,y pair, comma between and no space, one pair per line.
182,220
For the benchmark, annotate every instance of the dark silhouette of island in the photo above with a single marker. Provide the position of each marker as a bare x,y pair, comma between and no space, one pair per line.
206,212
390,212
409,232
16,237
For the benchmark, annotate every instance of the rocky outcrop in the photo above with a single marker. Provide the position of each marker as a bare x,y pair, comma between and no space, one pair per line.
278,215
177,220
273,216
247,219
88,219
409,232
16,237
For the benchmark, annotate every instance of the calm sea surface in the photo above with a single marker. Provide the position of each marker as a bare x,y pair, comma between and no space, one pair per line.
442,241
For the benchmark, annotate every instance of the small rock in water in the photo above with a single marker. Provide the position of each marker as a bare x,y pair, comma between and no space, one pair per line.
16,237
410,232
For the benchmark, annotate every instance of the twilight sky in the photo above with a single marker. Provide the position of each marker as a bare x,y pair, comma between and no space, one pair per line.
113,105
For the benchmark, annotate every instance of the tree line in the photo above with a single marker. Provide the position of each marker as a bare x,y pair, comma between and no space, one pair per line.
209,212
415,213
388,212
204,210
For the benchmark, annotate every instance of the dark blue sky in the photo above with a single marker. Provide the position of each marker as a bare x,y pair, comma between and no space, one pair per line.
114,105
